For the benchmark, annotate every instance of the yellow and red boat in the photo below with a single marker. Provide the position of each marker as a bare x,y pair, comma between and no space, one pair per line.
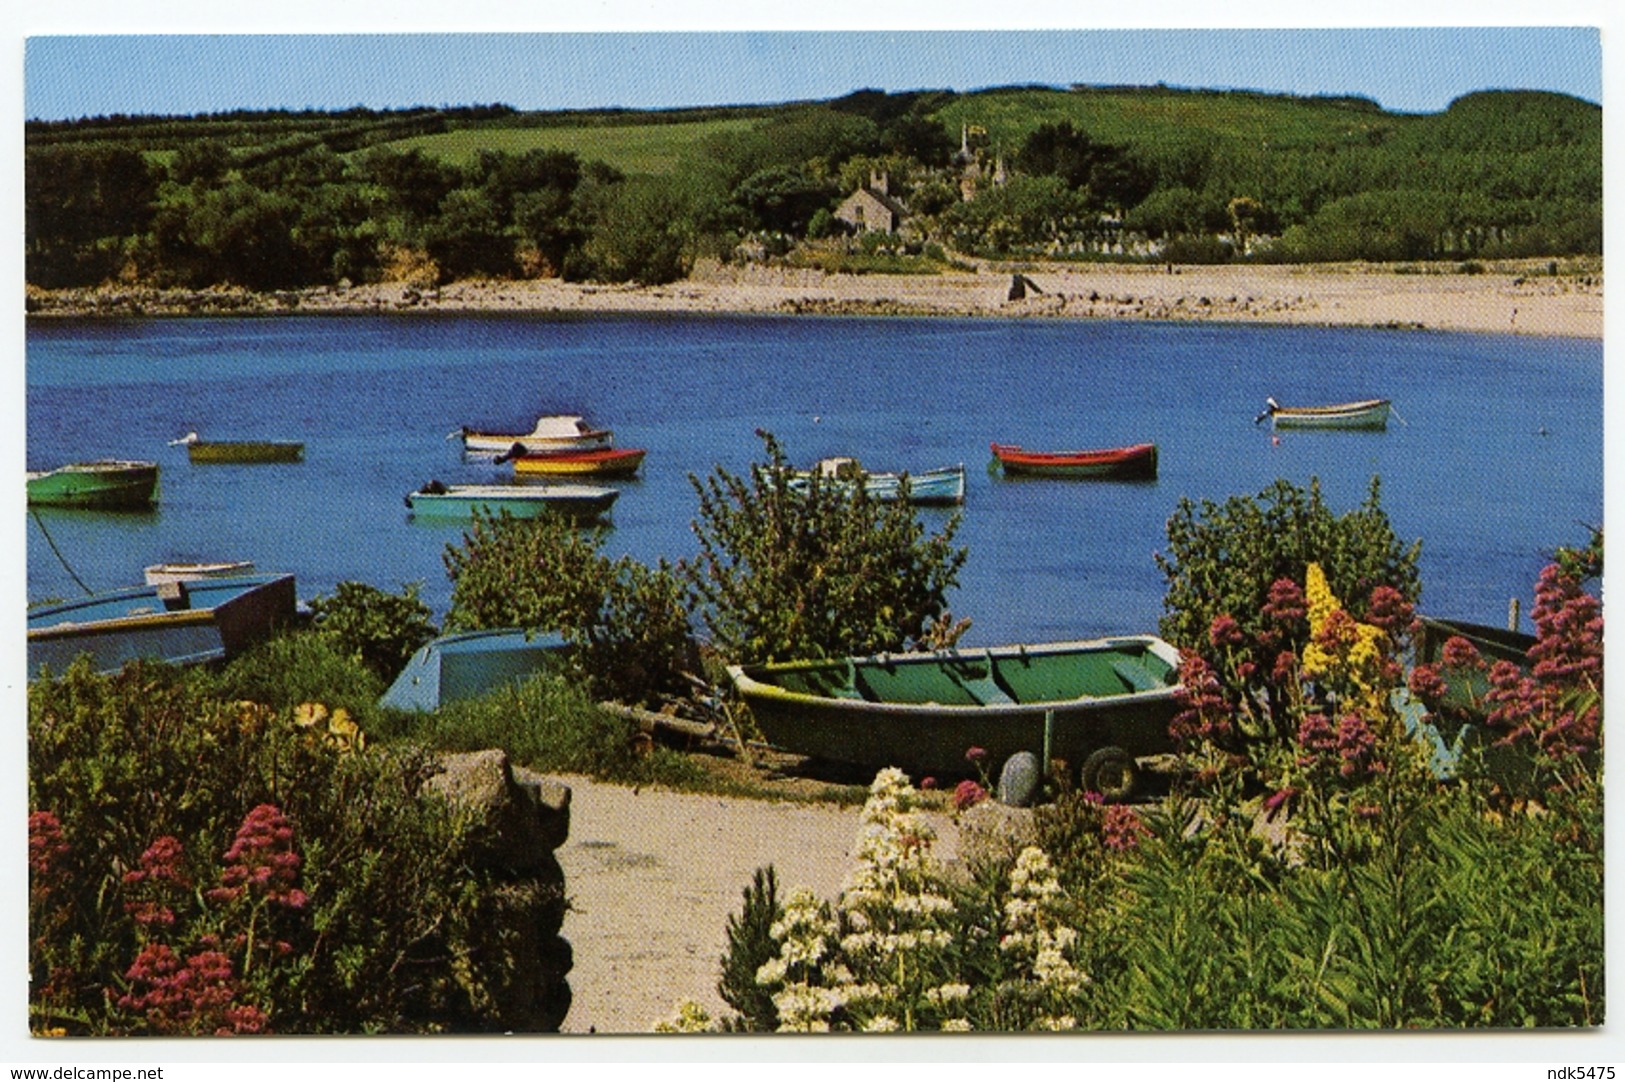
599,462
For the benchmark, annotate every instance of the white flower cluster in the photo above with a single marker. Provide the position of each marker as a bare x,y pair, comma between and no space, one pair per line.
1035,935
892,909
804,934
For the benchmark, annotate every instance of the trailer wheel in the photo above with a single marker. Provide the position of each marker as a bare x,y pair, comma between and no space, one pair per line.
1018,780
1111,773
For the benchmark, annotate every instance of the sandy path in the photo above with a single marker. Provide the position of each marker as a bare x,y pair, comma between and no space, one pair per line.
653,877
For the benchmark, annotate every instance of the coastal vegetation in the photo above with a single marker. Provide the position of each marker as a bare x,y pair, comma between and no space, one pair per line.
1322,875
287,200
206,847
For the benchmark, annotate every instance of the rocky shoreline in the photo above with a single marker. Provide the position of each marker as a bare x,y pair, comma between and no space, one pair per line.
1529,298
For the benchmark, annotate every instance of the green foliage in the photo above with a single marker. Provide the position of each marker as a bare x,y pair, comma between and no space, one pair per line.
138,784
788,569
751,946
380,629
1222,559
302,667
625,620
548,722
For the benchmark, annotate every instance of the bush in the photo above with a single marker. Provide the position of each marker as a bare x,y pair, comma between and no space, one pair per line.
787,570
625,621
381,629
302,667
199,865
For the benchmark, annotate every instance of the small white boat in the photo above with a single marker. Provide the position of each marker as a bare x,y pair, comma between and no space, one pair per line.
1369,413
555,433
939,487
156,574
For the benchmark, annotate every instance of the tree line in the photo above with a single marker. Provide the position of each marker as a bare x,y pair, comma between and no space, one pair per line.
275,201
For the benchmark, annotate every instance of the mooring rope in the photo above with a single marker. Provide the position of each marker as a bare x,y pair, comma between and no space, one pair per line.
66,566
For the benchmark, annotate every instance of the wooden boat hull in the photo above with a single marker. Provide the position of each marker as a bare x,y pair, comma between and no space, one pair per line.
182,623
467,665
108,484
606,462
1134,463
244,452
922,712
460,502
1371,414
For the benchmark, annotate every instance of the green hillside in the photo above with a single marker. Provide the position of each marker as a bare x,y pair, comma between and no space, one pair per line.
275,199
650,149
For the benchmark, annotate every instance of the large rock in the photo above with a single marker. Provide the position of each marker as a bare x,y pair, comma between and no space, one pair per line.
517,972
521,817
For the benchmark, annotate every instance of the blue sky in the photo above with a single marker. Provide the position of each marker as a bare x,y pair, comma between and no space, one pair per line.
1411,69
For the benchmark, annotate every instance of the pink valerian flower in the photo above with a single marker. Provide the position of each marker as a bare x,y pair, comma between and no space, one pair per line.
261,861
975,755
197,995
968,794
1121,828
1558,702
1317,738
928,783
1460,653
46,846
1206,714
1286,606
1225,632
1357,748
158,880
1390,611
1285,670
1427,685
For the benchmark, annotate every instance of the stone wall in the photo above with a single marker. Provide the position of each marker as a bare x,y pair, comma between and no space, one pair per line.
520,819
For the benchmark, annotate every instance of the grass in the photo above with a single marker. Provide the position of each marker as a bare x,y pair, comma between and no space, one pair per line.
647,149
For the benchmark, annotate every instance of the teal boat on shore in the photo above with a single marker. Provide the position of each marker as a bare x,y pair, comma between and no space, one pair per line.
107,484
470,664
184,623
457,502
1098,704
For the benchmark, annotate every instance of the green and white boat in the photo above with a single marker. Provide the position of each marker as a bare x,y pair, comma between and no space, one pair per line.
1098,704
106,484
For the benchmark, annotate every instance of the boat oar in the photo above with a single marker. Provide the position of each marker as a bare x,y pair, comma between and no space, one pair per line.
1397,417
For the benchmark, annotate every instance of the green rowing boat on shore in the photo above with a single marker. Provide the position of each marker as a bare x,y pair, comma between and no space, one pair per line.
1098,704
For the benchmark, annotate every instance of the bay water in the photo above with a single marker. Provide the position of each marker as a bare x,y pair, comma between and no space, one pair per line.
1495,454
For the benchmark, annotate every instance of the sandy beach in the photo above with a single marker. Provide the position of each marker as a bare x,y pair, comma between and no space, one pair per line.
1522,298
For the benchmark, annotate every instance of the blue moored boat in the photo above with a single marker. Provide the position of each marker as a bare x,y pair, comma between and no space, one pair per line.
184,623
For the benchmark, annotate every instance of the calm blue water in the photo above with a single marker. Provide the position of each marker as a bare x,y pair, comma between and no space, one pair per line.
1498,456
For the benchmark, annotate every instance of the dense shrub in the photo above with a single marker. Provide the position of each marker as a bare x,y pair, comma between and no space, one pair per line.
380,629
788,569
626,620
202,865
